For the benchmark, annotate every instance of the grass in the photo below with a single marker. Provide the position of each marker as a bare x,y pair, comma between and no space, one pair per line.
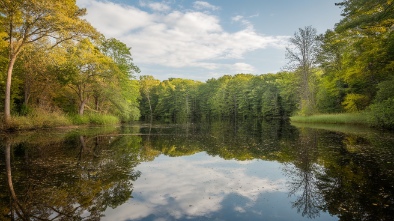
345,118
38,119
96,119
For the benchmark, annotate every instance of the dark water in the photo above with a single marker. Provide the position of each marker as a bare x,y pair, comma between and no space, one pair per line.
220,171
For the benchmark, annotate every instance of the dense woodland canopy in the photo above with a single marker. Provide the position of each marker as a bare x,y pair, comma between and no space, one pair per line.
72,69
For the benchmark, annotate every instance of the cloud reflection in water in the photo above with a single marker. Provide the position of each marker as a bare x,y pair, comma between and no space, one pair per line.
202,186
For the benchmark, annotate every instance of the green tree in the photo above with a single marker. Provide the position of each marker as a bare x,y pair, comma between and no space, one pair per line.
26,22
38,82
369,50
216,100
85,70
122,91
287,85
331,85
237,103
147,86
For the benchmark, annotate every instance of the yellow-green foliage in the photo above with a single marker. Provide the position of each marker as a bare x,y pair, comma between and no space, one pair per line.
355,102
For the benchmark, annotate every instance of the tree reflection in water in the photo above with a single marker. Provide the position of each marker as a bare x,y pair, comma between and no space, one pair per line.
302,172
72,179
77,176
347,175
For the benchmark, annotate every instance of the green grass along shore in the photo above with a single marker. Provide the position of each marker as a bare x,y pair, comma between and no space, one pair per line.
343,118
39,120
50,120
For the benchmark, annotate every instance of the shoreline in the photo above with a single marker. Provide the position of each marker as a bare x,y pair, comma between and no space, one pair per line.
342,118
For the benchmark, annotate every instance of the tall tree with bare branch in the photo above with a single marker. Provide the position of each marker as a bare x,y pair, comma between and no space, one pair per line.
302,54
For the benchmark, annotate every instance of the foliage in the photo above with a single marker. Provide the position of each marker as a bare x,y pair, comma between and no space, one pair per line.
354,102
347,69
238,97
123,92
26,22
176,100
382,114
85,71
147,85
357,61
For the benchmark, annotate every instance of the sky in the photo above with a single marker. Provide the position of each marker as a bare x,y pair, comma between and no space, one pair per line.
201,40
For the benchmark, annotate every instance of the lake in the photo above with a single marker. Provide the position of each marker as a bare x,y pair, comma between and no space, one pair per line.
217,171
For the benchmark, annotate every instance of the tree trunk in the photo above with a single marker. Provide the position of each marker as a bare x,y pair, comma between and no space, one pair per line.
150,108
27,89
96,102
7,99
82,107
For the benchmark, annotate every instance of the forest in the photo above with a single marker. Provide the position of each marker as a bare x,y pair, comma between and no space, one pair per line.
56,69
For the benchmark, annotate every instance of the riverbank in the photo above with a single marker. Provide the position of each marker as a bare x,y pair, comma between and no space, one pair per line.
375,117
51,120
343,118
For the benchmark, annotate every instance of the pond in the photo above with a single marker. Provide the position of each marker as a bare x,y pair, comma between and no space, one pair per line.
217,171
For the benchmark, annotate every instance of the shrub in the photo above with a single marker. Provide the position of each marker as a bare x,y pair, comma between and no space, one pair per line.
382,114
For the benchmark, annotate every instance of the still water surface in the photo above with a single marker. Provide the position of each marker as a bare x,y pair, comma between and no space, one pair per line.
220,171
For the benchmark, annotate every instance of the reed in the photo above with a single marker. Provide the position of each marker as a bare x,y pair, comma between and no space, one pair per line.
343,118
39,119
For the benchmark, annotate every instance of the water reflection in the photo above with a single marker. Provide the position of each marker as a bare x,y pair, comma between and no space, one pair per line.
219,171
200,187
67,179
302,172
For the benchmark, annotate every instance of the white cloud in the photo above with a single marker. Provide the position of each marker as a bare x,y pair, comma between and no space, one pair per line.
242,20
200,5
176,38
243,68
156,6
237,18
115,19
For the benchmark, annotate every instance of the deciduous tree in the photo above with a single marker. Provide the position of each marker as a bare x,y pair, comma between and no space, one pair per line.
302,57
26,22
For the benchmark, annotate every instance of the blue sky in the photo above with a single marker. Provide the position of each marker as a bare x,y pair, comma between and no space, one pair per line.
200,40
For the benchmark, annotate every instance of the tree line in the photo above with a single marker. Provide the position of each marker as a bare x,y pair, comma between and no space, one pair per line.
52,60
347,69
238,97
